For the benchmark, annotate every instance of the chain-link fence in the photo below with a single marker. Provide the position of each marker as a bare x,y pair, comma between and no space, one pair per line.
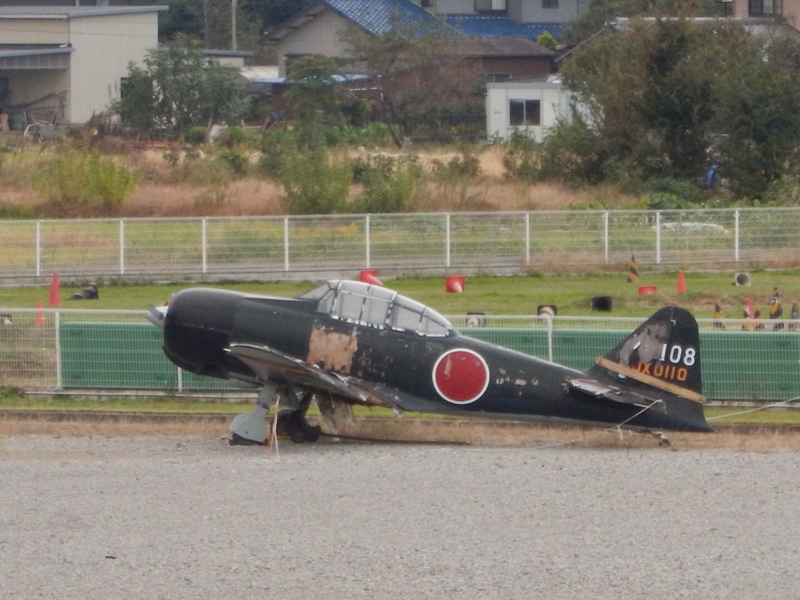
285,247
54,349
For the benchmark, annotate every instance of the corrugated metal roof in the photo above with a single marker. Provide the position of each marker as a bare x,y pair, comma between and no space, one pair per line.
378,16
13,51
487,26
374,16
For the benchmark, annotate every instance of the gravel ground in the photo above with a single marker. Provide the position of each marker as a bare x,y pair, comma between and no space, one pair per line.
185,517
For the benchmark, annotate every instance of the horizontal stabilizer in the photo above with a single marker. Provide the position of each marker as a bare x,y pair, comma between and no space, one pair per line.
596,389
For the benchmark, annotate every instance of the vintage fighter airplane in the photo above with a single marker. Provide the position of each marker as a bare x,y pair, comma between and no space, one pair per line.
350,343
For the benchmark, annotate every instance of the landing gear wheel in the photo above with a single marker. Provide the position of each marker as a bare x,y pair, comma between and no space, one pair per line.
311,433
297,435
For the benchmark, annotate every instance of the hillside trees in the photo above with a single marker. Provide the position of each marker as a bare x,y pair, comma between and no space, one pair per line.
178,89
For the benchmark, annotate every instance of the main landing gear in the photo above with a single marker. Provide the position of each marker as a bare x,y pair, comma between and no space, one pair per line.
252,427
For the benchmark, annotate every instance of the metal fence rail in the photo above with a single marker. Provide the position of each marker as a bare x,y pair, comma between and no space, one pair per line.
282,247
56,349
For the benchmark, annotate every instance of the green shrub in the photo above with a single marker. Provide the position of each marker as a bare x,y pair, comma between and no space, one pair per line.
236,161
388,183
313,184
196,136
85,178
523,157
546,40
458,167
277,149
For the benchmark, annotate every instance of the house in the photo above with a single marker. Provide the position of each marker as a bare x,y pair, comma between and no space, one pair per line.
318,29
788,10
66,63
503,18
529,107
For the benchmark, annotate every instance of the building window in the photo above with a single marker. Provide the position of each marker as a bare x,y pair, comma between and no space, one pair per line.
482,6
549,3
524,113
766,8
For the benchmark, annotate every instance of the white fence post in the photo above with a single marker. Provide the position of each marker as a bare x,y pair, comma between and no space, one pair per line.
59,372
204,244
658,237
38,248
736,235
366,225
528,238
122,246
286,244
550,352
605,235
447,240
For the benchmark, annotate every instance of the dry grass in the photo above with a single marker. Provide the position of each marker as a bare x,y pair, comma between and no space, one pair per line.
432,431
247,196
202,187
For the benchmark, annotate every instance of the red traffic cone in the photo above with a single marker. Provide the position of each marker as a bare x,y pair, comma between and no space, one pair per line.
681,283
55,292
455,284
369,277
39,313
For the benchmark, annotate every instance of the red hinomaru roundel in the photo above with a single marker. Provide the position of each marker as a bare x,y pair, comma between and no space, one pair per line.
460,376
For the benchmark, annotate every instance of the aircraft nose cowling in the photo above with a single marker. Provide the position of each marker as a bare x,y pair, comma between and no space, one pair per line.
197,328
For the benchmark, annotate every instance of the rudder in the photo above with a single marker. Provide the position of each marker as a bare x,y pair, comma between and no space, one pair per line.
664,352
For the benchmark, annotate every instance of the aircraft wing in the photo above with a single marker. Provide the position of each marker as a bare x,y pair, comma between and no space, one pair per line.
270,364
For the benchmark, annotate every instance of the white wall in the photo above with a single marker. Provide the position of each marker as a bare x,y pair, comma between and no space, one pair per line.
35,31
533,12
104,46
554,100
319,36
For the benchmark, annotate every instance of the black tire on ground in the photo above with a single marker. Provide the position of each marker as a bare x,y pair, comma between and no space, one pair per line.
297,435
312,433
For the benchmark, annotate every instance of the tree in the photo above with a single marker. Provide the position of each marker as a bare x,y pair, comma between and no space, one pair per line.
759,114
178,89
313,91
651,95
414,71
667,97
601,12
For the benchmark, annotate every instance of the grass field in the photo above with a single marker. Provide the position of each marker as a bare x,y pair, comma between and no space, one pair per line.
491,295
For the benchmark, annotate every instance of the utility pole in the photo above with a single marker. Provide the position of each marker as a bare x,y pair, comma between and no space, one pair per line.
205,40
233,25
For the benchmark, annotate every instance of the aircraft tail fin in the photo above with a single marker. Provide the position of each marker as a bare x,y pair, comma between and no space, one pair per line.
664,353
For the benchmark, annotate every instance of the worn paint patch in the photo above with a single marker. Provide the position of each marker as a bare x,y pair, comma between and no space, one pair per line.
646,345
332,350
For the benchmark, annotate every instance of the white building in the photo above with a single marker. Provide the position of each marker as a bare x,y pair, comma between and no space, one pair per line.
67,63
531,107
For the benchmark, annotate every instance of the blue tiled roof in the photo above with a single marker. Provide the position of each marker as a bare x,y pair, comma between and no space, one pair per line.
377,16
480,26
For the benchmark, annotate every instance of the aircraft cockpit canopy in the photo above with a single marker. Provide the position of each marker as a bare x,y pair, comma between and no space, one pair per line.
375,306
